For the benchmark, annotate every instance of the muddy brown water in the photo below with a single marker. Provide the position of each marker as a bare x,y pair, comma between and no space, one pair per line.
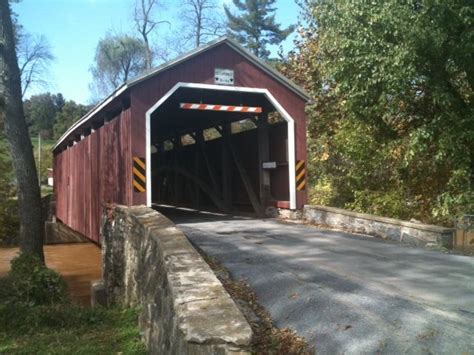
79,264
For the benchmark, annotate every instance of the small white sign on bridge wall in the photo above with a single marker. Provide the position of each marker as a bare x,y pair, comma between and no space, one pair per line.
269,165
223,76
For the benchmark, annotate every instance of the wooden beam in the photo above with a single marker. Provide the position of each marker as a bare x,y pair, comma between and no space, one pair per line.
226,169
205,124
176,178
243,175
263,156
197,169
197,180
210,168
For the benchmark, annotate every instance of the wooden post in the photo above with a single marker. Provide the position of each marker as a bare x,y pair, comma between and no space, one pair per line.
263,156
243,175
177,177
197,164
210,168
226,167
158,179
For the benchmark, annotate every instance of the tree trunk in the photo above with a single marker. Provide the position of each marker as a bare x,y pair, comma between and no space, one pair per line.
149,56
16,132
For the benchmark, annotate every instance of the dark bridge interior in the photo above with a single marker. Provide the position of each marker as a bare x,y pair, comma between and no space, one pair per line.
213,159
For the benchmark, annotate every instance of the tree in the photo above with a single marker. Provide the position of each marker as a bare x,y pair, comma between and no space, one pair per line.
70,113
254,26
118,58
16,132
40,112
391,125
201,22
145,24
34,57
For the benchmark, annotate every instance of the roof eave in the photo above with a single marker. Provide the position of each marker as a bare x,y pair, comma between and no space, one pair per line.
270,70
117,92
236,46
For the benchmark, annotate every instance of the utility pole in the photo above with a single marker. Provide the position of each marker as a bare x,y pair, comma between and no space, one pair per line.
39,159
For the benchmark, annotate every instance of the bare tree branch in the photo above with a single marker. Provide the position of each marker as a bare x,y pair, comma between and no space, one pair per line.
145,24
34,57
201,21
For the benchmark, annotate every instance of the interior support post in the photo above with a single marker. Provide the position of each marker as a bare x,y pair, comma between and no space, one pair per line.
210,167
226,167
177,177
263,156
243,174
197,169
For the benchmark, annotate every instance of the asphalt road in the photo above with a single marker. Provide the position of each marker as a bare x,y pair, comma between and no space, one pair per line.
346,293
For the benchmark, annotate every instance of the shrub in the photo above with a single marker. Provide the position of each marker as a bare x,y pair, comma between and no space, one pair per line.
33,283
9,222
389,203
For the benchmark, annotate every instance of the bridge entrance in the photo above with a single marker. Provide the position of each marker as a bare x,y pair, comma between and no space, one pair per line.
220,148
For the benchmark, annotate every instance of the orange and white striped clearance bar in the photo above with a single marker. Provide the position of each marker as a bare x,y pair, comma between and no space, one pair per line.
206,107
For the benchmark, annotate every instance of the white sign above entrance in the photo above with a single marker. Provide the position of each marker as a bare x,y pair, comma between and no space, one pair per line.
269,165
223,76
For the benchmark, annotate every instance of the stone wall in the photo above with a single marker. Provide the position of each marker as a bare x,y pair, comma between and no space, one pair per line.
416,234
150,263
59,233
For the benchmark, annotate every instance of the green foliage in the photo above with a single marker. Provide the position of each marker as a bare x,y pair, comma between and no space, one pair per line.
32,283
41,111
391,128
50,115
67,328
70,113
118,58
46,160
255,25
9,223
381,203
36,317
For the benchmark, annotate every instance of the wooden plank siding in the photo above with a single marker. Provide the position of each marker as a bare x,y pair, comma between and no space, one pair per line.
92,172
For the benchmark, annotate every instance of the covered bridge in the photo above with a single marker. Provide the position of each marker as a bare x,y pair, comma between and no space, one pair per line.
216,128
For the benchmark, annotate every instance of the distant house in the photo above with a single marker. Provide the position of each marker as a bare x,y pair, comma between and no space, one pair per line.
50,177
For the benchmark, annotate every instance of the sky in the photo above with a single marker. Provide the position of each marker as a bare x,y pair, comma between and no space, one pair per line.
73,28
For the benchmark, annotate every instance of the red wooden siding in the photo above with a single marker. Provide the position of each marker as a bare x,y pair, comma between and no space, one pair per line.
92,172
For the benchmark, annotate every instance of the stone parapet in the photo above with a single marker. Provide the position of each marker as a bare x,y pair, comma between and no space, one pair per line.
412,233
148,262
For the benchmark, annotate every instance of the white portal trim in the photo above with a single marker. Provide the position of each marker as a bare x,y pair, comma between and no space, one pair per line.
268,95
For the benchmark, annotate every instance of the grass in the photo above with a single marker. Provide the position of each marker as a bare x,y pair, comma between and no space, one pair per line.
66,329
46,190
45,143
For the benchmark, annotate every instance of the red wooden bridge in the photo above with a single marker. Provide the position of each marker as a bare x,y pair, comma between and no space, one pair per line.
215,128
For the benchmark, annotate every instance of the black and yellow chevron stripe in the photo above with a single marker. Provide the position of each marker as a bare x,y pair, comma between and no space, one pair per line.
139,174
300,175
